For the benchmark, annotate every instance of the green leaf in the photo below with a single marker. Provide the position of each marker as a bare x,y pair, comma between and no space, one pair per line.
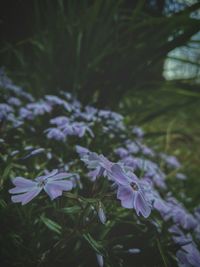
53,226
162,253
93,243
71,210
3,203
7,171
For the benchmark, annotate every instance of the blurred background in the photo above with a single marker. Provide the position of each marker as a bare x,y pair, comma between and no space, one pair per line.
140,58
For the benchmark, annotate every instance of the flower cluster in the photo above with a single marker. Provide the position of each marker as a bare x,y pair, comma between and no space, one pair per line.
97,156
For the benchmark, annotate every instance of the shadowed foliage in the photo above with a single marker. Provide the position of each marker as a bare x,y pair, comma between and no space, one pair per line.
100,50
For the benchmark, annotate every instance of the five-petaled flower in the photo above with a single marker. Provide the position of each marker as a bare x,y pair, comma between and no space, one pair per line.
131,191
53,184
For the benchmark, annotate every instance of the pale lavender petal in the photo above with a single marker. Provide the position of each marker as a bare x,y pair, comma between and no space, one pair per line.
61,185
59,176
26,197
22,182
17,190
126,195
81,150
52,191
118,175
47,176
96,173
142,206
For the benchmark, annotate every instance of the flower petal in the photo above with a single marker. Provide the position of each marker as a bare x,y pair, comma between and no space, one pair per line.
126,195
17,190
141,205
118,175
64,185
52,191
47,176
59,176
22,182
26,197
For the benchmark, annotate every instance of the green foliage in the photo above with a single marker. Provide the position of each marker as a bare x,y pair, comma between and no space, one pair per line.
99,50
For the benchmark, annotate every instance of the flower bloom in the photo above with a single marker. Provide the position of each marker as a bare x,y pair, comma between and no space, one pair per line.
5,111
131,191
14,101
138,131
55,133
53,184
188,256
172,209
171,161
97,164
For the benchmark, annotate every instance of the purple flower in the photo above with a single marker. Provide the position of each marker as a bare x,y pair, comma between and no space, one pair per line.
121,152
89,114
7,84
5,111
161,206
55,100
39,108
25,113
71,128
79,129
138,131
147,151
197,217
174,210
171,161
179,237
98,164
67,129
14,101
131,191
150,169
55,133
180,215
131,162
60,121
82,150
188,256
107,114
53,184
132,147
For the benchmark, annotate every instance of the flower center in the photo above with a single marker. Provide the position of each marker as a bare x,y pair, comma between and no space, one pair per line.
134,186
41,183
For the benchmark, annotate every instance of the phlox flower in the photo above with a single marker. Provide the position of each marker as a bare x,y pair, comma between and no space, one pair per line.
5,111
171,161
131,191
14,101
39,108
55,133
138,131
53,184
188,256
